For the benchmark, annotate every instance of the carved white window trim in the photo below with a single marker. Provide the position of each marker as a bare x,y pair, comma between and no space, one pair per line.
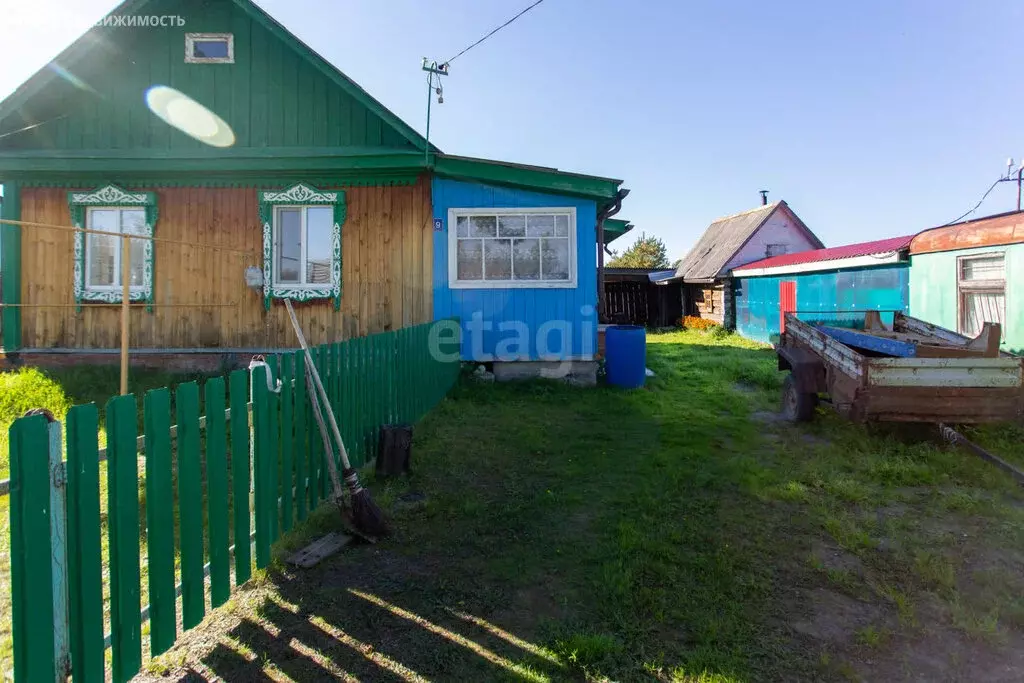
112,197
301,195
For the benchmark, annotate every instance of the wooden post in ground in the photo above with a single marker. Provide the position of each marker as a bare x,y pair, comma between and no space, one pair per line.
126,269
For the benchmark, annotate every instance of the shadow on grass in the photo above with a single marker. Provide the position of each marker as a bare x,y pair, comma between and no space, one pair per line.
371,638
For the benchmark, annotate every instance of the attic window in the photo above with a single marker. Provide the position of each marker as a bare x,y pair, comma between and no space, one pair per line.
775,250
209,48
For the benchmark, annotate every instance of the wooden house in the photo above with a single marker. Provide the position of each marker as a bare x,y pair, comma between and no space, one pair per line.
970,273
823,285
263,173
732,241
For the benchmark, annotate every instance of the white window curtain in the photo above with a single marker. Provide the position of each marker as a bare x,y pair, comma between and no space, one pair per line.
982,288
511,248
103,252
980,308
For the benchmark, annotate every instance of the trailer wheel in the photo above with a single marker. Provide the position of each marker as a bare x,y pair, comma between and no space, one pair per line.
797,406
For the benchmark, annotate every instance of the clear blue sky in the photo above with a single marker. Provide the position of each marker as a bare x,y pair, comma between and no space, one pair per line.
872,119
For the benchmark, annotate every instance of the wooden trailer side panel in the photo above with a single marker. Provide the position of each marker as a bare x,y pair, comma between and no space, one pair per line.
831,351
942,404
1004,372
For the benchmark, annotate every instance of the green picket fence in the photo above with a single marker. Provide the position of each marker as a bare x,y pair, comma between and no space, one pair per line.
201,510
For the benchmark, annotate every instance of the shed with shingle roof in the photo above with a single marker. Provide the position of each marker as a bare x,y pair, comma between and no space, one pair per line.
733,241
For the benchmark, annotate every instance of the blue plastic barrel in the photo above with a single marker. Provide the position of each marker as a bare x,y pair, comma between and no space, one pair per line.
625,348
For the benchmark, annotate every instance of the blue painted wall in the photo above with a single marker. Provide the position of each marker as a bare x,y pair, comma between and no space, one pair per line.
827,293
566,318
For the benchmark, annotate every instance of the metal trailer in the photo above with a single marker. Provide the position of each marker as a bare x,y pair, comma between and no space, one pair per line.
944,378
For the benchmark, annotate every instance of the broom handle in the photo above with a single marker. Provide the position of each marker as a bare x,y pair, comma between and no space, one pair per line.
319,385
328,451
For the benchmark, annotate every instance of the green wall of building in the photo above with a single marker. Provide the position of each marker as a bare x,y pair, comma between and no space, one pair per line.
271,96
933,290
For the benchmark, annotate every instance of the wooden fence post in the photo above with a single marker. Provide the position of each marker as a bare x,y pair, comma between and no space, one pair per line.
39,568
160,520
241,468
85,554
262,450
123,531
190,505
59,552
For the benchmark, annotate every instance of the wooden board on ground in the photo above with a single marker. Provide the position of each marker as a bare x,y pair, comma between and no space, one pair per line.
316,551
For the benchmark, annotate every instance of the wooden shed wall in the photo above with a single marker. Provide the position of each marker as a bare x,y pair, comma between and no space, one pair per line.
387,251
706,301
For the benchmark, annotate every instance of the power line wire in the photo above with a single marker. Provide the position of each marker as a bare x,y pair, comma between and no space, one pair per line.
975,207
33,125
449,61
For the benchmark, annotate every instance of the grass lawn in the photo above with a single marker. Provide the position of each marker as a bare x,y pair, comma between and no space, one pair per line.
679,533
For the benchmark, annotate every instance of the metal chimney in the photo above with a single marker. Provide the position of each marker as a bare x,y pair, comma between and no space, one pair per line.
764,197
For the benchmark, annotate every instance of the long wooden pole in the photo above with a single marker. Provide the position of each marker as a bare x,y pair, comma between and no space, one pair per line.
328,450
319,385
126,269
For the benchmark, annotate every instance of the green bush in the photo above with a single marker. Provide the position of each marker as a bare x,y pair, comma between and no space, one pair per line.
22,390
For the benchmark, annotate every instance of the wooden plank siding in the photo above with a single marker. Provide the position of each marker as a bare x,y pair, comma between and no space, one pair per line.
706,301
387,249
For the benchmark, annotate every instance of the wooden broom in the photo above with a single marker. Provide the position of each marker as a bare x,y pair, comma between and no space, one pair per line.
367,517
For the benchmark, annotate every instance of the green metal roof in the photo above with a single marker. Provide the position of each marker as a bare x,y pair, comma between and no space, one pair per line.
539,178
615,228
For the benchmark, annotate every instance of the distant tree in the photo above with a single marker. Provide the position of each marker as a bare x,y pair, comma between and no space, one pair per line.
646,252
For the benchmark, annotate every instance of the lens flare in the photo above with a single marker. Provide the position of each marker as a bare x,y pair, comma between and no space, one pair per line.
193,119
70,77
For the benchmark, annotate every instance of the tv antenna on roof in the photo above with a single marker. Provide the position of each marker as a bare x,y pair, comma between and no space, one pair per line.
1009,176
434,70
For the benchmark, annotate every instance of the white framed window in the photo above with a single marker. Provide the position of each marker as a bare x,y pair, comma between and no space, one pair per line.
981,290
508,248
104,253
209,48
303,246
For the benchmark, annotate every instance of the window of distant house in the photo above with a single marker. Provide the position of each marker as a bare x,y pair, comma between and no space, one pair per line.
103,253
775,250
512,248
981,286
303,251
209,48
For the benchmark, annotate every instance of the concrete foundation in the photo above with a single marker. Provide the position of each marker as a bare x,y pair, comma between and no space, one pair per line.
581,372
